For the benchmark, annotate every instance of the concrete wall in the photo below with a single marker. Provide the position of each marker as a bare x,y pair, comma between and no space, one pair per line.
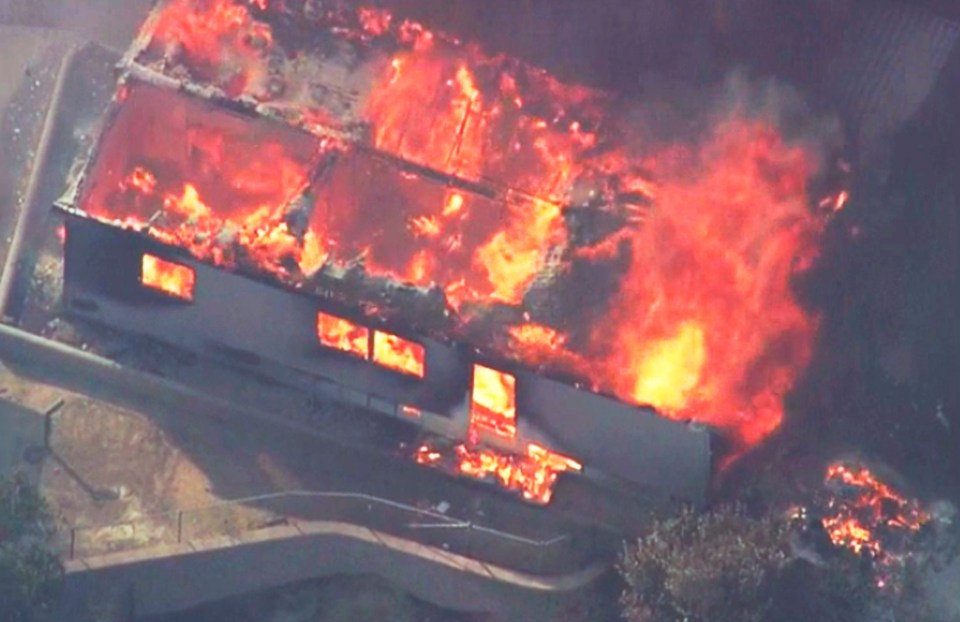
172,578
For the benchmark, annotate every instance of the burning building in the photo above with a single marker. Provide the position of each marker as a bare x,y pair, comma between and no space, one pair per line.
344,199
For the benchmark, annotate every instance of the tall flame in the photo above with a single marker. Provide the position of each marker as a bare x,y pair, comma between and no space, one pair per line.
705,325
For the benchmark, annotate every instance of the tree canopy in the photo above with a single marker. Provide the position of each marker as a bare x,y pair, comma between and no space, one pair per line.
30,569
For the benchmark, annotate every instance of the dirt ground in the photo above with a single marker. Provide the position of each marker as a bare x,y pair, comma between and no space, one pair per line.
105,464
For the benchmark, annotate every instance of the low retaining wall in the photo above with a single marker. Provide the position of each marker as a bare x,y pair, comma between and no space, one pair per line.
176,577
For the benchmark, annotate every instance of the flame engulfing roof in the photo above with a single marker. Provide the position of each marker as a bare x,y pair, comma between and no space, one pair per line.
553,234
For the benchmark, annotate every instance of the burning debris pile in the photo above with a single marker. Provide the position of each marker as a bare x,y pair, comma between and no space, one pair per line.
533,475
868,517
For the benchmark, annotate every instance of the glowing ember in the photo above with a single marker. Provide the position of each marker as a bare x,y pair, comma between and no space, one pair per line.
427,455
532,475
398,354
140,180
168,277
411,411
537,334
344,335
493,402
835,203
867,516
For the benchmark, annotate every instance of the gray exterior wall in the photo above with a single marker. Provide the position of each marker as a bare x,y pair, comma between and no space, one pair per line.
630,442
271,330
242,320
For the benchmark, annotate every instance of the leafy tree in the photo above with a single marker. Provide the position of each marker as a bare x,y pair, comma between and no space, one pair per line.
712,567
30,570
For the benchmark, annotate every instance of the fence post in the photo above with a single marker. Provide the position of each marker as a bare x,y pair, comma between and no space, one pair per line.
73,542
48,414
179,526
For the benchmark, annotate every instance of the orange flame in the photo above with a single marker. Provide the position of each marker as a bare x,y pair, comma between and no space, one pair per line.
168,277
212,35
344,335
705,326
493,401
669,370
398,354
537,336
224,201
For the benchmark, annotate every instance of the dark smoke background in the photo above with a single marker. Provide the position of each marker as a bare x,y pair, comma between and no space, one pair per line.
884,380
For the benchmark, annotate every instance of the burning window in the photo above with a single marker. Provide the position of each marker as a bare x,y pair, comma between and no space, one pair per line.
493,404
398,354
167,277
344,335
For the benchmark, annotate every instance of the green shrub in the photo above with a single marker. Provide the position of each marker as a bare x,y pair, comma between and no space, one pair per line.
30,570
712,567
726,566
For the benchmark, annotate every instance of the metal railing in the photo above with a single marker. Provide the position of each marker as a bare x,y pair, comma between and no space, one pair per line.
554,555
